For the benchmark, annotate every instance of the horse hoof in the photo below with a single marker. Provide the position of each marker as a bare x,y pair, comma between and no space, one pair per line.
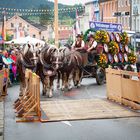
43,94
50,96
70,88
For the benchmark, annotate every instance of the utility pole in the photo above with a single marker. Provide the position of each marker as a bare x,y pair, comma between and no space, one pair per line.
56,22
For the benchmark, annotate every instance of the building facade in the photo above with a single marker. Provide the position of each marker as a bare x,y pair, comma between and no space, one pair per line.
135,22
91,14
135,10
16,27
124,14
108,8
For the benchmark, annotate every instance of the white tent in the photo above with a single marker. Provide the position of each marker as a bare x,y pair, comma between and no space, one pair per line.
24,40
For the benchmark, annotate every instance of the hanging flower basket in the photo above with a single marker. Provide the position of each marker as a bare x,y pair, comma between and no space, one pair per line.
102,36
124,38
102,60
132,58
113,47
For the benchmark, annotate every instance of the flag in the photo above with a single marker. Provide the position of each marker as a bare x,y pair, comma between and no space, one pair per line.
4,28
77,23
74,32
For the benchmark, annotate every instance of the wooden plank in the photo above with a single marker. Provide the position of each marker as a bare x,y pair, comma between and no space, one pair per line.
84,109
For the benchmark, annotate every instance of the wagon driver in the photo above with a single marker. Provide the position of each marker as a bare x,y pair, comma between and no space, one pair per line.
92,44
79,44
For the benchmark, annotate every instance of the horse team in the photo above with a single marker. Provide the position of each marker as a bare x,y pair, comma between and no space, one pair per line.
50,63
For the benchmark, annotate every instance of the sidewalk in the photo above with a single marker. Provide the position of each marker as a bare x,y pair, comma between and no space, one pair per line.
1,120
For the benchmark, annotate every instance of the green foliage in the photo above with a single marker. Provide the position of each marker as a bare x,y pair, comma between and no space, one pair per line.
8,37
87,33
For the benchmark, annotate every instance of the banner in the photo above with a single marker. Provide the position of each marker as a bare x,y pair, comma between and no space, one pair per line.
111,27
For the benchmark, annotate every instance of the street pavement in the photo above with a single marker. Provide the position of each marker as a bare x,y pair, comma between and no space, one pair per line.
105,129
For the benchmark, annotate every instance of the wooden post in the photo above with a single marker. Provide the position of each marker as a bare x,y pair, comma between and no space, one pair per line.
56,22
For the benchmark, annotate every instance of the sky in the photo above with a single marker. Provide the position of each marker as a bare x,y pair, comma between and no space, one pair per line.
72,2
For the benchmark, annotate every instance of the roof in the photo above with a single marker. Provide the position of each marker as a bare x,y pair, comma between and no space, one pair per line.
100,1
36,25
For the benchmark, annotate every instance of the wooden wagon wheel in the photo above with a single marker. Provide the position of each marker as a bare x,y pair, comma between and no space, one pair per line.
100,76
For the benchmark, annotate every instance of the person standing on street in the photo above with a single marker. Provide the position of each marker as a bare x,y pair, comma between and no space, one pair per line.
138,61
1,59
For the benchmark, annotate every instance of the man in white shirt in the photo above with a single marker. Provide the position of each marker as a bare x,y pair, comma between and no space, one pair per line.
92,44
79,44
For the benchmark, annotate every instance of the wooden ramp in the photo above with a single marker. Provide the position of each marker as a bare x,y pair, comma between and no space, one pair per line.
83,109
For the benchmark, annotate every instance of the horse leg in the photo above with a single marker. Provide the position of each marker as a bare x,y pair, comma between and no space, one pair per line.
63,81
21,89
69,82
80,77
44,90
76,77
58,80
51,87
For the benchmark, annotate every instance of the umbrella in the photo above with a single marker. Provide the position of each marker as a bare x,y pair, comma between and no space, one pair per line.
24,40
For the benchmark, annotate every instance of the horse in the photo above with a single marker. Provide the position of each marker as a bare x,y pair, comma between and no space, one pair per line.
68,64
27,57
46,69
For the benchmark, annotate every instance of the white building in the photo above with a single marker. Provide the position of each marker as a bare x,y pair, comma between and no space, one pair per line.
136,15
91,14
135,26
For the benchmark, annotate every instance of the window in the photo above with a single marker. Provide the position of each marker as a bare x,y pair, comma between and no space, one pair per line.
20,24
126,3
12,25
137,24
134,1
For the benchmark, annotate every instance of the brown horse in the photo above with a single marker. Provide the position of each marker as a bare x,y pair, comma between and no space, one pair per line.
46,69
69,65
27,58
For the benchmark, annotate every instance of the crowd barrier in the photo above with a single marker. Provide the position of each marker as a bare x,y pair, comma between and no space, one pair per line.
27,107
123,87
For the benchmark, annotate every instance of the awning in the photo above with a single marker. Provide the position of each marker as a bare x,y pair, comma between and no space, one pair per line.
24,40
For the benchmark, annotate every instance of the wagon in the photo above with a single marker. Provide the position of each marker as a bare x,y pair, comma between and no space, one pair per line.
93,69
